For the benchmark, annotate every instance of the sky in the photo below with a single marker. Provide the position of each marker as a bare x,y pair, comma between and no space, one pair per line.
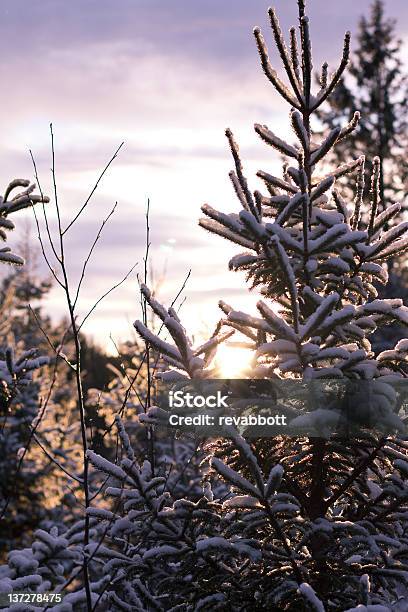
166,78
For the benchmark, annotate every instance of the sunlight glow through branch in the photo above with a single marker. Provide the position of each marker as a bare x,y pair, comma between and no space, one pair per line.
232,361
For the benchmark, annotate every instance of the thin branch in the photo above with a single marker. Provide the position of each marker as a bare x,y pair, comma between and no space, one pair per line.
98,235
183,286
49,341
143,359
57,207
93,190
51,269
280,43
106,294
375,195
44,212
271,73
149,430
130,381
337,75
57,463
78,380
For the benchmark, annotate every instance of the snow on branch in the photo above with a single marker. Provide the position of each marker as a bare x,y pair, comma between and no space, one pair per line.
183,356
8,206
275,142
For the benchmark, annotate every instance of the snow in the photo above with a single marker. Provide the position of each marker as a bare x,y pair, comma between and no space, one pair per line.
276,142
160,345
322,187
320,315
256,228
326,145
311,597
163,551
299,128
369,608
217,228
106,466
277,347
277,324
328,239
233,477
274,480
215,544
241,501
291,206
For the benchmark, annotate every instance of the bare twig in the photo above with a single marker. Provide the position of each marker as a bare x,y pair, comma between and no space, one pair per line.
57,463
98,235
51,269
45,214
106,294
57,352
71,223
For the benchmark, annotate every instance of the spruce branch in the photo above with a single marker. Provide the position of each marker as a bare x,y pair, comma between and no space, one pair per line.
290,279
350,127
294,55
299,129
276,182
324,76
325,147
347,168
358,201
238,190
307,65
240,174
277,143
375,195
337,75
286,60
95,187
271,73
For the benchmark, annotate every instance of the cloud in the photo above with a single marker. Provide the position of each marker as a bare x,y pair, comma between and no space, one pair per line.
167,78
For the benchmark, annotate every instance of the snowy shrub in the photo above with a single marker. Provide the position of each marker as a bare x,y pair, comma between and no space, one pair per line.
19,394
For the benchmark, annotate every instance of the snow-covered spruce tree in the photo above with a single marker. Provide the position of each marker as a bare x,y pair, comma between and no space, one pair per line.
19,395
334,535
21,495
37,492
376,84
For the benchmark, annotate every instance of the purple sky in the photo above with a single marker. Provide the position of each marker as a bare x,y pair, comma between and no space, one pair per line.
167,78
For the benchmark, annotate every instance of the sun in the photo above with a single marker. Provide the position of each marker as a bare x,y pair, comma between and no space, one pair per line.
232,361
